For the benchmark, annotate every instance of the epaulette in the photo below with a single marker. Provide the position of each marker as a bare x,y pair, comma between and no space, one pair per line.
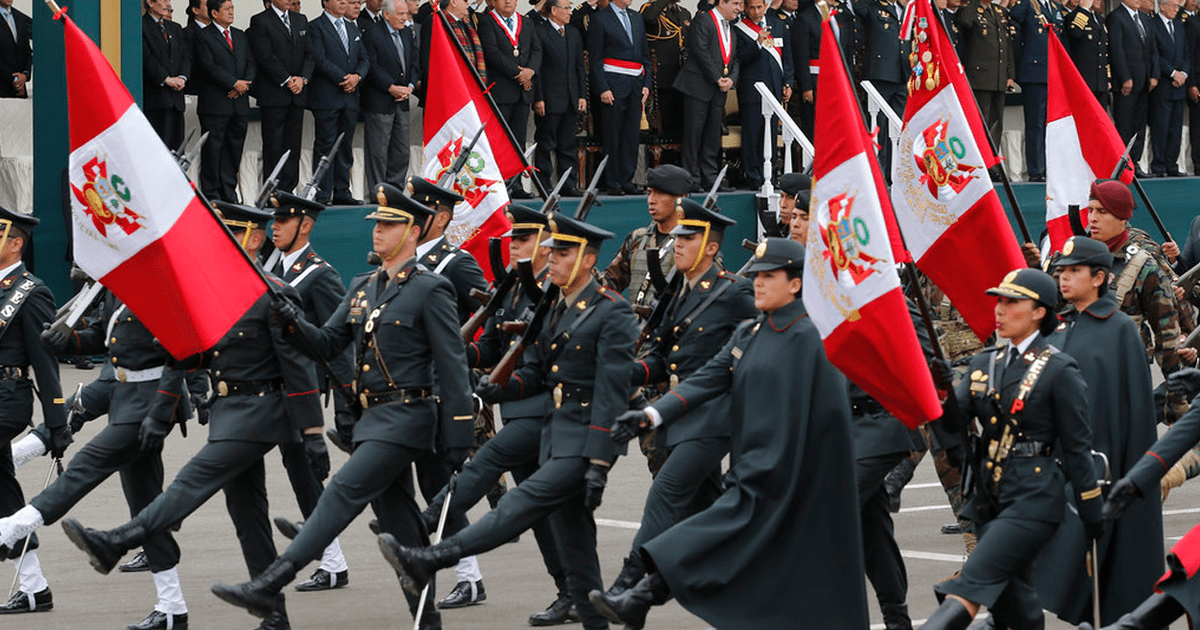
613,296
1080,21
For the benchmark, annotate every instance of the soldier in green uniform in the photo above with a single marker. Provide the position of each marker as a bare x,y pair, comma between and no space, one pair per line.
1033,392
266,395
401,321
582,358
794,190
666,30
26,304
985,42
1107,346
699,319
789,512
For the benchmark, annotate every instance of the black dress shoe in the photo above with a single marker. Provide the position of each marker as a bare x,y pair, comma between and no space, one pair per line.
632,606
137,565
633,189
322,580
615,192
84,363
23,602
374,526
462,596
560,612
261,596
1169,174
157,620
347,201
1037,178
570,191
519,193
278,620
952,528
289,529
725,189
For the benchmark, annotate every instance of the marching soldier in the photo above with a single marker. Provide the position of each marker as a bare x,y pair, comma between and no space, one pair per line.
582,357
266,396
1087,45
401,321
26,304
987,54
699,320
666,29
1034,391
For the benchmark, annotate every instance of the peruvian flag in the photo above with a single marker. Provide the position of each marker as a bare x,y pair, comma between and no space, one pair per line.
453,114
851,289
138,225
1071,164
946,207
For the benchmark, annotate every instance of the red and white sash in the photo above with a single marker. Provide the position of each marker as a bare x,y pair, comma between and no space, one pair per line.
774,48
620,66
513,37
722,39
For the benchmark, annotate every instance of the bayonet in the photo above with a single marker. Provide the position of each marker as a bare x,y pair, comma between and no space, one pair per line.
309,191
272,181
186,162
461,161
589,196
710,199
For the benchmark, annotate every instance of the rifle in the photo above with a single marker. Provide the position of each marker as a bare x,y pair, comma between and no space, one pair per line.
665,298
496,258
750,246
1076,221
529,283
490,303
589,196
1188,280
654,269
555,195
187,160
461,161
504,368
1123,164
309,191
710,199
272,181
68,314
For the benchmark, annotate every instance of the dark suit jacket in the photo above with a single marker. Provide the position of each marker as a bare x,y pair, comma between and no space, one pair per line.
1129,55
502,63
560,79
15,55
386,70
1031,53
1087,44
163,57
887,58
1173,54
806,45
757,64
279,55
606,39
191,33
704,65
365,22
332,62
218,68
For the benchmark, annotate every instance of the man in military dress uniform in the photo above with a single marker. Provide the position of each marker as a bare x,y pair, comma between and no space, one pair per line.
887,64
400,320
987,54
1087,45
666,29
1034,19
26,304
582,357
266,395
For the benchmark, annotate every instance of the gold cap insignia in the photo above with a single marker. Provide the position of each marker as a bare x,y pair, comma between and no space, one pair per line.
408,185
274,201
553,225
1069,247
511,219
1012,275
761,250
381,197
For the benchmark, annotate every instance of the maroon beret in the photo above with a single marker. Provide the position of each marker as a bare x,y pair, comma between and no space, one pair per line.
1114,196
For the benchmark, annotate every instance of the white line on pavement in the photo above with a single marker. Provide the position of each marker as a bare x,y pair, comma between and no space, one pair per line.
619,524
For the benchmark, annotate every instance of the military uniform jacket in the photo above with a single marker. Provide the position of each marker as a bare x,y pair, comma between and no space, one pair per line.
21,347
494,342
403,329
666,27
628,268
686,340
588,351
164,55
1087,44
887,54
1106,344
792,501
1055,412
986,46
1034,18
461,269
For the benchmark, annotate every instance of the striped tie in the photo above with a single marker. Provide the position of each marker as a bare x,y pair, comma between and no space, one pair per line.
341,29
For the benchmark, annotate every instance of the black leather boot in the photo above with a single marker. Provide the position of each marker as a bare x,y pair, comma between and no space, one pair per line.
631,573
632,606
951,615
895,617
104,549
261,595
417,565
278,619
896,480
559,612
1157,611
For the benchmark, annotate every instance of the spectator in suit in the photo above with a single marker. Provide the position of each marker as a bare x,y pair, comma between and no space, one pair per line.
387,95
166,64
1167,100
763,55
1191,28
459,15
16,51
197,20
887,65
1087,44
707,75
340,64
987,57
371,15
225,70
559,95
619,60
1034,19
282,51
1134,62
513,53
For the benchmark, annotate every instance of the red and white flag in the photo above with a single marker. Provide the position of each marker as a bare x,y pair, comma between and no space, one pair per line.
138,225
453,114
1073,161
945,204
851,289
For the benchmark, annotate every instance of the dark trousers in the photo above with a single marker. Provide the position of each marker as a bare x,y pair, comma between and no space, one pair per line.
1129,114
168,124
620,124
1033,99
305,484
554,491
327,124
282,128
1103,98
385,145
515,448
16,407
517,116
222,155
235,467
702,137
555,137
885,566
379,474
991,106
115,449
1166,134
689,482
1194,134
433,474
896,95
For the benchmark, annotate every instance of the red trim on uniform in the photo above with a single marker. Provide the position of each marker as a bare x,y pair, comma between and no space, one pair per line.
1160,460
681,399
600,429
312,391
175,396
521,384
647,368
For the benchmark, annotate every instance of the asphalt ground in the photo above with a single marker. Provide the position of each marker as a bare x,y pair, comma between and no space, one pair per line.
515,580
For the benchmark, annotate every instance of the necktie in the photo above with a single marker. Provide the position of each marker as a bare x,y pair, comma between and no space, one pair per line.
509,22
1170,30
287,23
228,39
559,310
625,23
1013,355
163,29
399,48
12,26
1141,29
341,30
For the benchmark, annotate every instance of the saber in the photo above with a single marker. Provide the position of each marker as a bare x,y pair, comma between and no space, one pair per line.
25,548
1095,559
437,538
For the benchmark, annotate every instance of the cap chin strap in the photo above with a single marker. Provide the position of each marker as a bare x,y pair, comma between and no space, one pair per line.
703,241
403,240
295,235
247,226
578,254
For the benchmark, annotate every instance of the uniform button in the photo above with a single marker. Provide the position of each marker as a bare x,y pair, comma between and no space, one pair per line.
554,368
553,346
988,465
113,340
993,420
674,367
217,373
114,359
675,348
700,329
1037,469
216,354
241,334
366,368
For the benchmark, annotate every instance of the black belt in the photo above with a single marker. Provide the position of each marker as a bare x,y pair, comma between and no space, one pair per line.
867,407
563,392
248,388
404,394
12,373
1030,448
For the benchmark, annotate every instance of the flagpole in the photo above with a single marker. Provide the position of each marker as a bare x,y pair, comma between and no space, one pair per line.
462,52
